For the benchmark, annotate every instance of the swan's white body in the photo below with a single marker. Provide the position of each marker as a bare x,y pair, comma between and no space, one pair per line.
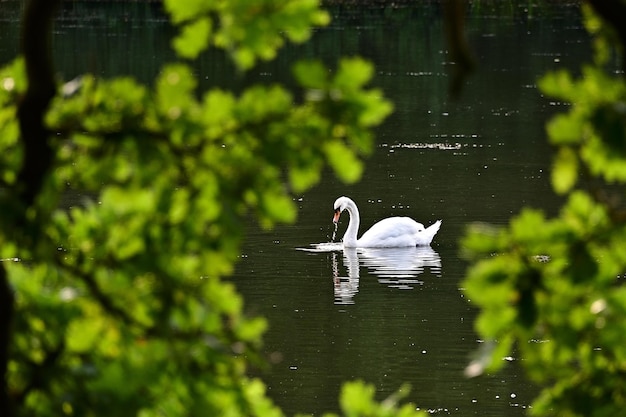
392,232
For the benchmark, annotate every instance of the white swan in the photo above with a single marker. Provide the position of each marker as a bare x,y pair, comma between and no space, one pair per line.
392,232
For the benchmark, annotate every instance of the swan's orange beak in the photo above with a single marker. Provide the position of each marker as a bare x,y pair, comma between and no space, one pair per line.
336,216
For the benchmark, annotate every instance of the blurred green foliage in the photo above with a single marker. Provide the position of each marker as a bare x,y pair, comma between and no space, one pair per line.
550,290
357,400
121,305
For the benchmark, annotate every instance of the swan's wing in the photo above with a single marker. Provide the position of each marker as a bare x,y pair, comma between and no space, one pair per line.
392,232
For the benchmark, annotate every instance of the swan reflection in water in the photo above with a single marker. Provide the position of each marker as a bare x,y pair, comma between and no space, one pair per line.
346,287
394,267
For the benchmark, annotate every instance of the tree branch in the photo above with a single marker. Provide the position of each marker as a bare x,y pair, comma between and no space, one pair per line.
35,44
6,319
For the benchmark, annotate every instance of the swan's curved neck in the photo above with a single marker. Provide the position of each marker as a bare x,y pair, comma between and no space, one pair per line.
349,238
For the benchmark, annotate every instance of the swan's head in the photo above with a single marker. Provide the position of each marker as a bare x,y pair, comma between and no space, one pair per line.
340,205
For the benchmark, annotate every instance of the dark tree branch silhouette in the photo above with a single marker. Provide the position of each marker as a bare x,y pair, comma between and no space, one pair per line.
35,45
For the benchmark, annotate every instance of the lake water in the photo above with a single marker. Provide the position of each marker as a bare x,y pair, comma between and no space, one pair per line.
337,316
384,316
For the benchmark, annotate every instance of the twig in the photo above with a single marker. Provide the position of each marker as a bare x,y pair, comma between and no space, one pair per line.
6,319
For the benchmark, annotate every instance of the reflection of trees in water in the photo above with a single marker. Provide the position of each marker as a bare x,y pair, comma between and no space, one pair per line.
394,267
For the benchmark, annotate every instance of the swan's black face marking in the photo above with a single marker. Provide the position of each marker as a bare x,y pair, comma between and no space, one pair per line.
336,216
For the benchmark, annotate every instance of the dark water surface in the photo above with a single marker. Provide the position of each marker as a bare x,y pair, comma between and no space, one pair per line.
384,316
395,317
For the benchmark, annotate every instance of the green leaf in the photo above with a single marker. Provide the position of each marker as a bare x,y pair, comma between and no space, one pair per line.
565,129
244,58
311,74
251,330
304,177
13,77
193,39
357,398
353,73
174,88
557,84
218,111
84,335
603,161
179,208
565,170
482,239
584,215
529,227
182,11
376,108
279,207
343,161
